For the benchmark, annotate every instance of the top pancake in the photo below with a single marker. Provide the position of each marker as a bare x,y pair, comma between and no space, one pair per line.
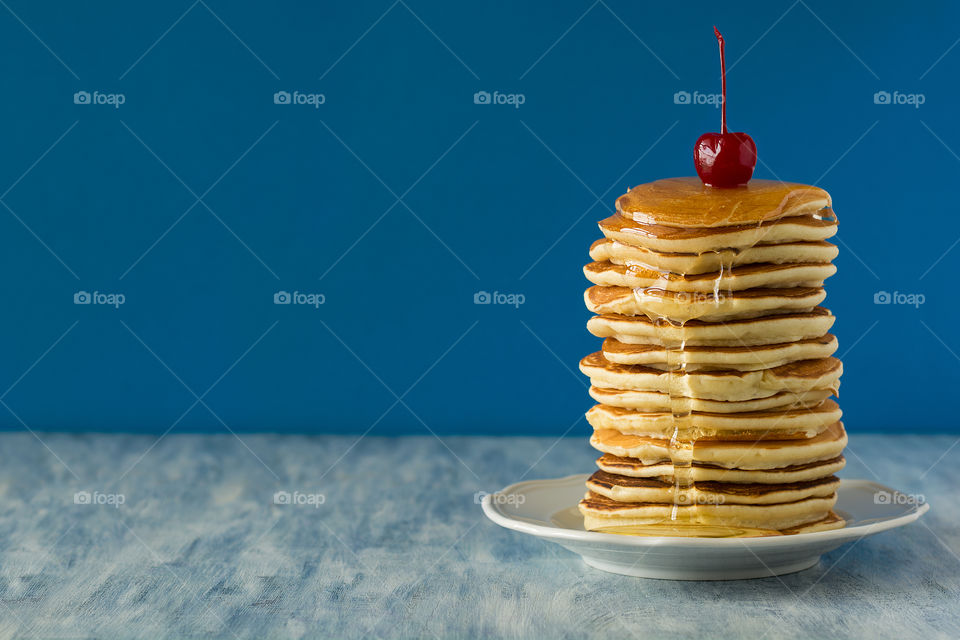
687,202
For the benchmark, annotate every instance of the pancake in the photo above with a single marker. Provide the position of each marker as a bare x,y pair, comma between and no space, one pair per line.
714,381
796,377
683,306
628,489
789,423
607,250
599,511
659,401
727,279
733,454
666,239
830,522
686,202
701,472
774,329
741,358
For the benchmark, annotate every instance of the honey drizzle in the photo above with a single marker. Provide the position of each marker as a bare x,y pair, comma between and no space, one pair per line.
671,334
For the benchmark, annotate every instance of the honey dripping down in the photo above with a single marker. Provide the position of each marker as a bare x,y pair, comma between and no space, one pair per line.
684,520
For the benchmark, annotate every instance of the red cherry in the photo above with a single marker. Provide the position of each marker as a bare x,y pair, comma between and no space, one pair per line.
724,159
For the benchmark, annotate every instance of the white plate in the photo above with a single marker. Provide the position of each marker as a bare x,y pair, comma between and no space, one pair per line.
547,509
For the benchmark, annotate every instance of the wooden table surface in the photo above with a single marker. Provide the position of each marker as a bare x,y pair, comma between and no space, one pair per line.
121,536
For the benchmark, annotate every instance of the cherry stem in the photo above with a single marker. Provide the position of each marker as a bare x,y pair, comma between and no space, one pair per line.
723,81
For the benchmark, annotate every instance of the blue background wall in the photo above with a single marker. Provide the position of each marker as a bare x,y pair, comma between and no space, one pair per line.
492,198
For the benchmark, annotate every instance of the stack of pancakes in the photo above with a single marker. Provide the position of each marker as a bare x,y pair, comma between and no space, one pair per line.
715,378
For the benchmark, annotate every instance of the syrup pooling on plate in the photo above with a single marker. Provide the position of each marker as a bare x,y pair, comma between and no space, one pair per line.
688,530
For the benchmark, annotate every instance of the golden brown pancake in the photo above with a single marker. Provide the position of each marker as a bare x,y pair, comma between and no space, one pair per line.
731,454
699,471
731,279
655,237
771,424
828,523
773,329
711,307
727,385
660,401
742,358
599,511
607,250
687,202
630,489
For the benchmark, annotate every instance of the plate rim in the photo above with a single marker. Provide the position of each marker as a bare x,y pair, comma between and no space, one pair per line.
493,512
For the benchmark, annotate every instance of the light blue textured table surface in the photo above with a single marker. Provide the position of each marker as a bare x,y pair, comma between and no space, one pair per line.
398,547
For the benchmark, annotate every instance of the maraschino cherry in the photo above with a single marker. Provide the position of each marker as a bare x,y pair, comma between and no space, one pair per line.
724,159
